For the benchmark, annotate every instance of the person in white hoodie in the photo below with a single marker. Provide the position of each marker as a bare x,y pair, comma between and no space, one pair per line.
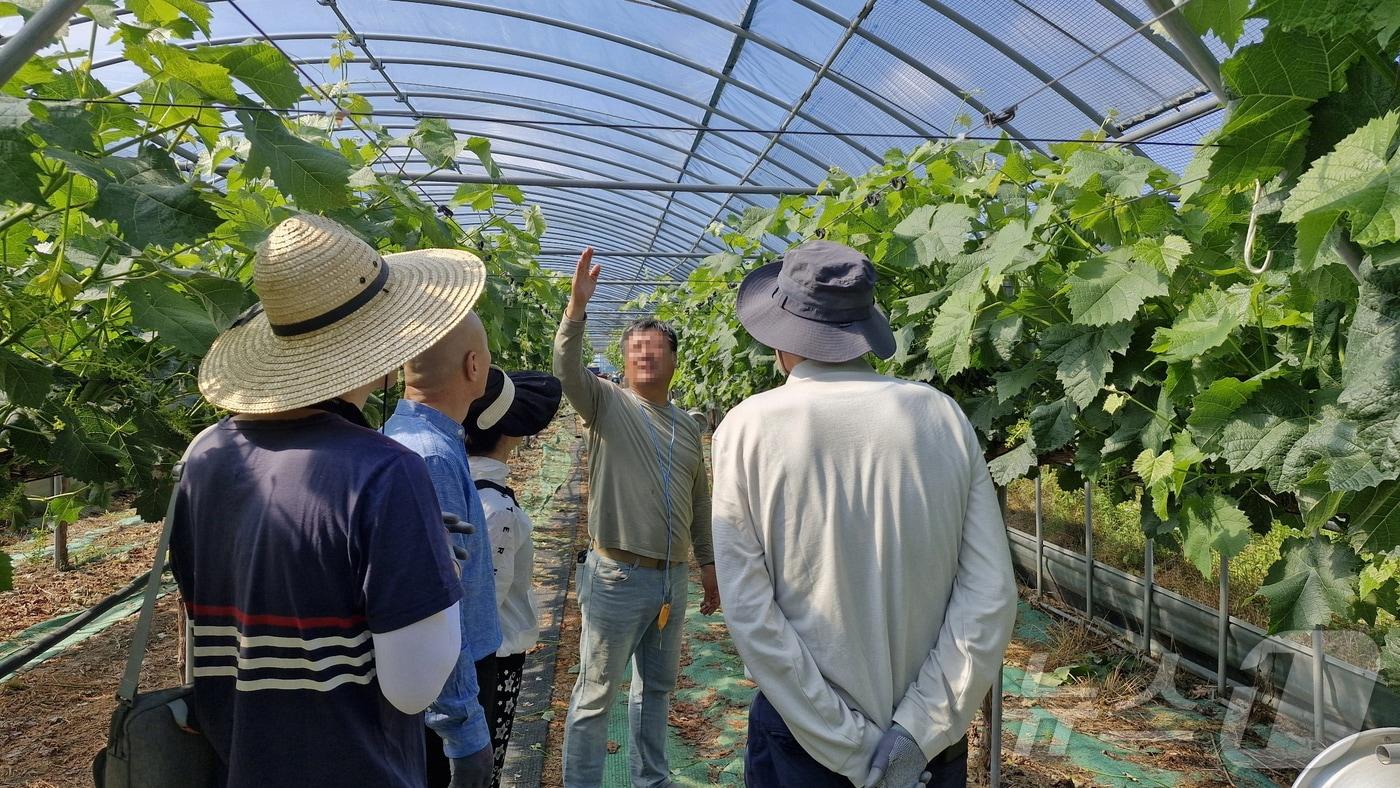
514,406
862,559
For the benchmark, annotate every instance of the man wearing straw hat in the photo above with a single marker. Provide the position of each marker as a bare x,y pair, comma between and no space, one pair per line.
439,387
649,501
310,550
862,557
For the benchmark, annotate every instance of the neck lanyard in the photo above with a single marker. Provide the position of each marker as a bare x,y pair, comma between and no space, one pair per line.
667,472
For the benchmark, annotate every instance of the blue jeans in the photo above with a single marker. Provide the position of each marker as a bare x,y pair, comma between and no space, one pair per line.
775,760
618,605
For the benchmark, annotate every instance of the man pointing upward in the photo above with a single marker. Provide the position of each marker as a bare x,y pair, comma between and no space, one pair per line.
649,502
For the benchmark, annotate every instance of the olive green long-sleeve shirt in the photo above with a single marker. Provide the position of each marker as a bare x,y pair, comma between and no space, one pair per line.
627,502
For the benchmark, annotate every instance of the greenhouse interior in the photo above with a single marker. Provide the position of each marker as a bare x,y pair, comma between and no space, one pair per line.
728,392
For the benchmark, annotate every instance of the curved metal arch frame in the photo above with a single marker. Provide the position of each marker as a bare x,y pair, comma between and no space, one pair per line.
552,130
951,87
634,198
913,122
513,72
604,212
588,221
498,138
555,80
523,105
603,216
641,46
1025,63
514,52
630,196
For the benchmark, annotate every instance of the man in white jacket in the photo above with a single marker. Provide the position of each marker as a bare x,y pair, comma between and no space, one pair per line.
862,559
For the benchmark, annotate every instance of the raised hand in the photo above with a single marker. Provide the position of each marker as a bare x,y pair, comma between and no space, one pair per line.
585,284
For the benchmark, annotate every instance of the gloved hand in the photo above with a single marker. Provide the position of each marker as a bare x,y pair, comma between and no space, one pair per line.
898,761
473,771
454,525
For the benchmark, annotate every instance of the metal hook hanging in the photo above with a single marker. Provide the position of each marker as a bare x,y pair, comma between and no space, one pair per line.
1250,233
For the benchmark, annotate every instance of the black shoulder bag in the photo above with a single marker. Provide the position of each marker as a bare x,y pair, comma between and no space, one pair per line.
152,742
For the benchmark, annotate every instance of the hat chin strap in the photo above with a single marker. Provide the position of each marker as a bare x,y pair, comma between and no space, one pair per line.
498,407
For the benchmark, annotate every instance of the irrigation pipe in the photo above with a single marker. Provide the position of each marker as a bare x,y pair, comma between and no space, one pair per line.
24,656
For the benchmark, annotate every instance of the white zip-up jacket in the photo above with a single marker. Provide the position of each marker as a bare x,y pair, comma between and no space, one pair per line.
863,562
512,556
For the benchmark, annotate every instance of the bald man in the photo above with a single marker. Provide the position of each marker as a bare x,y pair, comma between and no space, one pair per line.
439,388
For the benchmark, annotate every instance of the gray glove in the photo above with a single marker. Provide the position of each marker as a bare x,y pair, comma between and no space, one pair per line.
473,771
898,761
454,525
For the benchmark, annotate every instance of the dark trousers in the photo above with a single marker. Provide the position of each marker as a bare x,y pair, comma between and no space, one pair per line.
776,760
439,767
509,670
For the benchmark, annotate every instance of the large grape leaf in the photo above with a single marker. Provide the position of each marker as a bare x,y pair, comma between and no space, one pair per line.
1374,518
1206,323
1083,357
181,321
434,138
1349,463
1224,18
1261,433
1014,464
24,382
1165,253
1314,581
1213,524
1110,289
950,336
1213,409
1371,377
14,112
1276,81
1359,180
316,178
85,456
260,66
180,72
154,214
19,171
1052,424
161,13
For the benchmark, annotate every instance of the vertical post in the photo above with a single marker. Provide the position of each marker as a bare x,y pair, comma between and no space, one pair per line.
1148,569
1039,540
992,709
1089,549
1222,634
60,530
994,736
37,32
1319,664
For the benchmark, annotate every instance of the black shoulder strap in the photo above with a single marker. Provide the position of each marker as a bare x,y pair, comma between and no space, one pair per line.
487,484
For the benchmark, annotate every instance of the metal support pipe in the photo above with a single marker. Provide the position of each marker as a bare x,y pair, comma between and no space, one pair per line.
994,735
642,186
1222,634
1039,539
37,32
1089,549
1203,62
1319,664
1148,569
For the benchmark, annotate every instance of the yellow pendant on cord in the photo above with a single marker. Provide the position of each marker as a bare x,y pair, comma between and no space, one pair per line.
664,616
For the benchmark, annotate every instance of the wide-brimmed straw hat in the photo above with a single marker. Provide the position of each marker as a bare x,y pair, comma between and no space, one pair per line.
817,301
334,315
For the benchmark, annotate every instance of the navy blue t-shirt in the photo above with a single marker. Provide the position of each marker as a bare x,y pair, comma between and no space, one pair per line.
293,541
